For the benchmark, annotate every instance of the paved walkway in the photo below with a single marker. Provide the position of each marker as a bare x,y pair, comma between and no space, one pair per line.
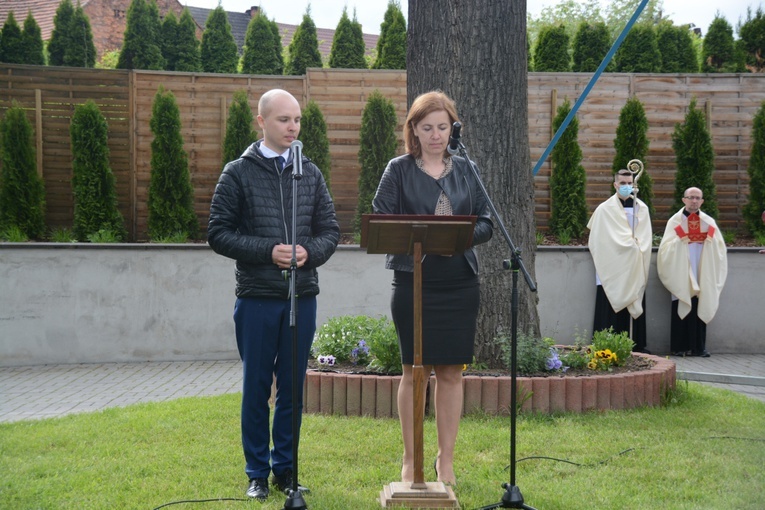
45,391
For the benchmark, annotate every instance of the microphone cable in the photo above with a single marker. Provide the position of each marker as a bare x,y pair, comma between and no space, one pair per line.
213,500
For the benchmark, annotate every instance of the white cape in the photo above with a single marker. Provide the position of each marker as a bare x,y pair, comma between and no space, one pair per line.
622,260
676,273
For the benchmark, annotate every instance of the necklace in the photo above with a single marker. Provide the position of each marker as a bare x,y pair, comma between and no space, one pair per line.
446,171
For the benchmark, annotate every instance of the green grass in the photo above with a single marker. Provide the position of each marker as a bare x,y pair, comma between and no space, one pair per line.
704,451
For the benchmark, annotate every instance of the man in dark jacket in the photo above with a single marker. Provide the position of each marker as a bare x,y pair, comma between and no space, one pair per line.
251,222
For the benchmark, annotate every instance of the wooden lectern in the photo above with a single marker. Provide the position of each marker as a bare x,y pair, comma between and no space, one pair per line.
417,236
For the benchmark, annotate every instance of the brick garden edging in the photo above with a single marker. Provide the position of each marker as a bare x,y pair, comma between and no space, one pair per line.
375,395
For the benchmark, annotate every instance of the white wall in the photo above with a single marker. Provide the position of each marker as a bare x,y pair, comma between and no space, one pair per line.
85,303
566,281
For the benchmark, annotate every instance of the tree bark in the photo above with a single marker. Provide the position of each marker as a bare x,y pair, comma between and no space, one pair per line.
475,51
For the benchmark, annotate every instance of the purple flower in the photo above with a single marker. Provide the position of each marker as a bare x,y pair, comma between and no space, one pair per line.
553,363
328,360
361,351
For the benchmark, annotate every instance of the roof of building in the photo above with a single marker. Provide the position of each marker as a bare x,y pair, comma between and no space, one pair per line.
42,10
239,22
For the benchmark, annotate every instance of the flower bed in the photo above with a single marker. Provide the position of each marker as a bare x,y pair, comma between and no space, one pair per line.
349,394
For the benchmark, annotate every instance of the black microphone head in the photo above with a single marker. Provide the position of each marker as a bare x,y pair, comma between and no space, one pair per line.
454,139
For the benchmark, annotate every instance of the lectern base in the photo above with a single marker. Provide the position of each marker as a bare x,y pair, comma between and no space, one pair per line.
402,495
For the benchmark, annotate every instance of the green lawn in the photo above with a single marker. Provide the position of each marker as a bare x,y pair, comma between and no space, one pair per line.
705,451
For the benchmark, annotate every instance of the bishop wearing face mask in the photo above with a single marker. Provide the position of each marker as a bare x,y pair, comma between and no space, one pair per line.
620,245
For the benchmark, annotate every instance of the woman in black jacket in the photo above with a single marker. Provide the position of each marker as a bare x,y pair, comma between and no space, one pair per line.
427,180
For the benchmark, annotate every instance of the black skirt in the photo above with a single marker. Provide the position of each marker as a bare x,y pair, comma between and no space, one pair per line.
450,300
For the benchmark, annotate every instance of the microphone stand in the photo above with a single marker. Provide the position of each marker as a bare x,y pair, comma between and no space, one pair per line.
512,498
295,498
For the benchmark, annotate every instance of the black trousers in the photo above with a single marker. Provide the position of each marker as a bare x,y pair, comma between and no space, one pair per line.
605,317
689,334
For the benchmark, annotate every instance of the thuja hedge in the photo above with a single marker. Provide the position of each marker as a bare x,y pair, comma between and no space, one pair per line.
93,184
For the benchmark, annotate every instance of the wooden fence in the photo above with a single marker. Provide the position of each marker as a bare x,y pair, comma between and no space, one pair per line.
125,97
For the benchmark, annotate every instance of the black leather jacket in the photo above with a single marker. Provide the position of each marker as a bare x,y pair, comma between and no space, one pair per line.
251,212
405,189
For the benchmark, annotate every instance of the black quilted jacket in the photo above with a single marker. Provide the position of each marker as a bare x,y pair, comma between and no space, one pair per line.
405,189
251,212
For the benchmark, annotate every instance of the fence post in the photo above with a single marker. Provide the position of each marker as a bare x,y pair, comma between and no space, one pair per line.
133,179
223,120
39,132
553,112
708,115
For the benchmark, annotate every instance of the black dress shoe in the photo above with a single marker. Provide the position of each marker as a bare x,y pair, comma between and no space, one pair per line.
283,482
258,488
702,354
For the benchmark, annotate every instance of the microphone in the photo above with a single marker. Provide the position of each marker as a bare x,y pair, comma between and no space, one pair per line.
297,159
454,139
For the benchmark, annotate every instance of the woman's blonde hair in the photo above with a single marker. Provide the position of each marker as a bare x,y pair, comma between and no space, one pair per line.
424,105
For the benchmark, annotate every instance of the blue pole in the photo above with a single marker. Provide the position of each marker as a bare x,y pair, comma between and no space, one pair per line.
598,72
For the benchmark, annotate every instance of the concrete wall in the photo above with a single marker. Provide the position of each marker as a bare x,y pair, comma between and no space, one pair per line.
566,282
86,303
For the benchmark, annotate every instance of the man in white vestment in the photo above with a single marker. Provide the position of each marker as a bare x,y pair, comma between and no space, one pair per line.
620,245
692,265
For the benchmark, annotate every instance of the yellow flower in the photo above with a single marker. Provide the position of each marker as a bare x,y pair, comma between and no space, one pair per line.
592,365
464,367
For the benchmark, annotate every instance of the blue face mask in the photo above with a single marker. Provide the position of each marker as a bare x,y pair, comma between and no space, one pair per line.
625,190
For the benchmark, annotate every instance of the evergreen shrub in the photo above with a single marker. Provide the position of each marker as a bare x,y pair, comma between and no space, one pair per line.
591,44
639,52
141,48
391,45
551,52
171,196
695,158
239,128
262,48
313,134
756,203
219,53
631,142
304,48
22,190
93,183
348,47
377,146
568,179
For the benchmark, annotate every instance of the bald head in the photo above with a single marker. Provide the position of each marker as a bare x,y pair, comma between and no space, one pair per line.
279,118
267,100
693,198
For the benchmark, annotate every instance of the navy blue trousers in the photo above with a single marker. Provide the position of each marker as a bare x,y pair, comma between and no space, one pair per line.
264,339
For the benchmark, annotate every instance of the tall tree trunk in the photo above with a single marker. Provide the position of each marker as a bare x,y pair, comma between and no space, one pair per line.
475,51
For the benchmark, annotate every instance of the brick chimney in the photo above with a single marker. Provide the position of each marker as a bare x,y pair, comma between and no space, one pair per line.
253,11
